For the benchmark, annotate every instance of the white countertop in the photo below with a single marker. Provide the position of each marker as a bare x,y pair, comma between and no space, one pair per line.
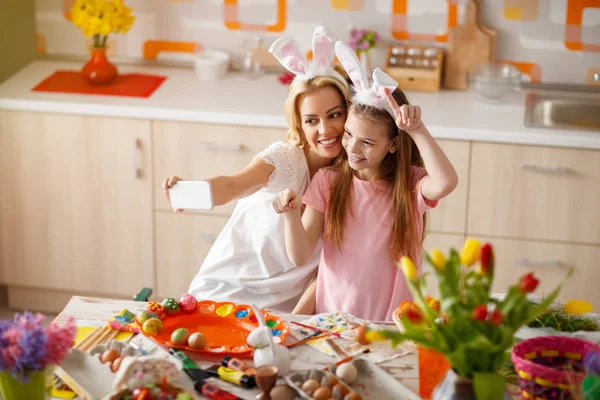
240,100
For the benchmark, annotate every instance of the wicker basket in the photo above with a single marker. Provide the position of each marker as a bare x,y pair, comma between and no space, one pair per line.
550,367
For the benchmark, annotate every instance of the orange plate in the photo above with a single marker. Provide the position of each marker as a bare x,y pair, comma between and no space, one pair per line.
224,325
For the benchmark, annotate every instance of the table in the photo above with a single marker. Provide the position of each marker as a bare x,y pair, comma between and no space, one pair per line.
94,312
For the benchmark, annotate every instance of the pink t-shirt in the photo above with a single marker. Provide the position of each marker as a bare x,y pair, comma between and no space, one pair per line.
361,278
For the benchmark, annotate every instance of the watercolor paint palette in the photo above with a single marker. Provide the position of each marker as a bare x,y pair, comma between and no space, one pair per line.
225,327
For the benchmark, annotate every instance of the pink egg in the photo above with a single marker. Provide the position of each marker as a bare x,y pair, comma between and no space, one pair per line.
188,302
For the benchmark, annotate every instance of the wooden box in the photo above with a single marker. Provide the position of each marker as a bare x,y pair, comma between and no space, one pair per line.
415,67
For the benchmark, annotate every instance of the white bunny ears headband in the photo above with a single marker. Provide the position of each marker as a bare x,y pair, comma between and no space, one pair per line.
287,51
370,93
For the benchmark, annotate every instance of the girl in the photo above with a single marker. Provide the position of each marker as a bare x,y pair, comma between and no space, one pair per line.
370,207
247,263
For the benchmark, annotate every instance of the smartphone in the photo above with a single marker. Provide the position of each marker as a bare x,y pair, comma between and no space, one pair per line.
191,195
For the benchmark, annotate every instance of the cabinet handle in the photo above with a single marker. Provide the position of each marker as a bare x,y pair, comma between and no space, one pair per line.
137,157
547,263
221,146
209,237
536,168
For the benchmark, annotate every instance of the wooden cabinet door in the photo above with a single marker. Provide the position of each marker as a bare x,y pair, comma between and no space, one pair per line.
535,193
182,242
550,263
76,207
450,214
198,151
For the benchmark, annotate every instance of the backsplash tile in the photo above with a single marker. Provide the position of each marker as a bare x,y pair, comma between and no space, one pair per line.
548,40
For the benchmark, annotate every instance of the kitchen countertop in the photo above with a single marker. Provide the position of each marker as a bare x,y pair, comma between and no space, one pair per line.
241,100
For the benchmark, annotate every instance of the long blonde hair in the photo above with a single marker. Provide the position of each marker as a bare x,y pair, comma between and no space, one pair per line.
395,169
296,135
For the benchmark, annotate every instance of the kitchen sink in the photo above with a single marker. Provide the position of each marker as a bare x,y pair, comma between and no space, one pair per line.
562,111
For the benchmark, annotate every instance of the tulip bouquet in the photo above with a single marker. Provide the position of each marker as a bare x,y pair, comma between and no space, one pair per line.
469,326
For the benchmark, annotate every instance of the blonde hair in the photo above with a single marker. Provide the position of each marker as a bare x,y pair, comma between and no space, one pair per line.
395,168
296,135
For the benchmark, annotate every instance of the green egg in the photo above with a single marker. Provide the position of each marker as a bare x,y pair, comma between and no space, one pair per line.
180,336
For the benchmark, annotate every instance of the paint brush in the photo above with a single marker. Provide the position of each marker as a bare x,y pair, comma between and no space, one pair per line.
347,359
314,328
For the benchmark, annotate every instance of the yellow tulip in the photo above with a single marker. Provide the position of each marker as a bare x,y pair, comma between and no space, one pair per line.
470,252
408,268
374,336
438,260
577,307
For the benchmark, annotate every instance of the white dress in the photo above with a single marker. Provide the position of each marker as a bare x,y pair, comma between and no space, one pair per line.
248,262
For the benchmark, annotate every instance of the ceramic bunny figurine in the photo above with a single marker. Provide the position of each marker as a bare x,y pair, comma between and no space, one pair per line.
266,351
136,372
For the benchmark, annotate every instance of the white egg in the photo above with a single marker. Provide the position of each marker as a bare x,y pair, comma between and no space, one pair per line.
347,372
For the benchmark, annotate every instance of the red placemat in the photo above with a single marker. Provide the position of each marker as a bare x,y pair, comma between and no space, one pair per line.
132,85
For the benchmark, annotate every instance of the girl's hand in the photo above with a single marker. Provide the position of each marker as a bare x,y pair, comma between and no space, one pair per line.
168,183
408,117
287,201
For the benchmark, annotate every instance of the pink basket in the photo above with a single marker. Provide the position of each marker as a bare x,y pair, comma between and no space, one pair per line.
550,367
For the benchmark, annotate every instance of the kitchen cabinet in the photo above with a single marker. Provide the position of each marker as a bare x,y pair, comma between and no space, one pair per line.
76,208
182,242
197,151
450,214
535,193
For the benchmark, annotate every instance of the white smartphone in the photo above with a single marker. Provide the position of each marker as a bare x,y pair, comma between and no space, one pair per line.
191,195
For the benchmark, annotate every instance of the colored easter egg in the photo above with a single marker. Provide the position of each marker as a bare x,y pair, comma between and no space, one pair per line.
152,327
145,316
156,308
187,303
171,306
180,336
196,340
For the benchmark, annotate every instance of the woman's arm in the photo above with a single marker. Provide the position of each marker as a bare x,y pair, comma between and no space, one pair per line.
302,232
307,303
227,188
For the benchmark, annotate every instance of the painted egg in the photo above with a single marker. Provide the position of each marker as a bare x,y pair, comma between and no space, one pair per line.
180,336
283,392
145,316
156,308
353,396
321,393
152,327
109,356
196,340
310,386
171,306
188,302
347,372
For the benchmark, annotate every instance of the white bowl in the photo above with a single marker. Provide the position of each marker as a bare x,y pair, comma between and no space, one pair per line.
211,64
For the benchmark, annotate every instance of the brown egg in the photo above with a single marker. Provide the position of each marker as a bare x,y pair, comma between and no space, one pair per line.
332,380
322,393
310,386
196,340
116,364
353,396
339,391
283,392
360,335
109,356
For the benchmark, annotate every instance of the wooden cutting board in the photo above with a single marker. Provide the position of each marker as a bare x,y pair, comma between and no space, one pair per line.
469,45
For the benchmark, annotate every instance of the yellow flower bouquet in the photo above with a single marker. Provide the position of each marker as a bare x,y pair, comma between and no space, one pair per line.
99,18
471,328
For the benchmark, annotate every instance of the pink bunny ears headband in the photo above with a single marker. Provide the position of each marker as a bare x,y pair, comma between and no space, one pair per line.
370,93
286,50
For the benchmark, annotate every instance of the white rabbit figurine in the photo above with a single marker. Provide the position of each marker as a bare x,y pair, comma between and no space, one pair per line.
266,351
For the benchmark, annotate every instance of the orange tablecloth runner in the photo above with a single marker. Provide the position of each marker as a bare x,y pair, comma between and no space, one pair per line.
132,85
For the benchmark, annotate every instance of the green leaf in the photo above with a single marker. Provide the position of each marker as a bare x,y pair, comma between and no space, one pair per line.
488,386
543,306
